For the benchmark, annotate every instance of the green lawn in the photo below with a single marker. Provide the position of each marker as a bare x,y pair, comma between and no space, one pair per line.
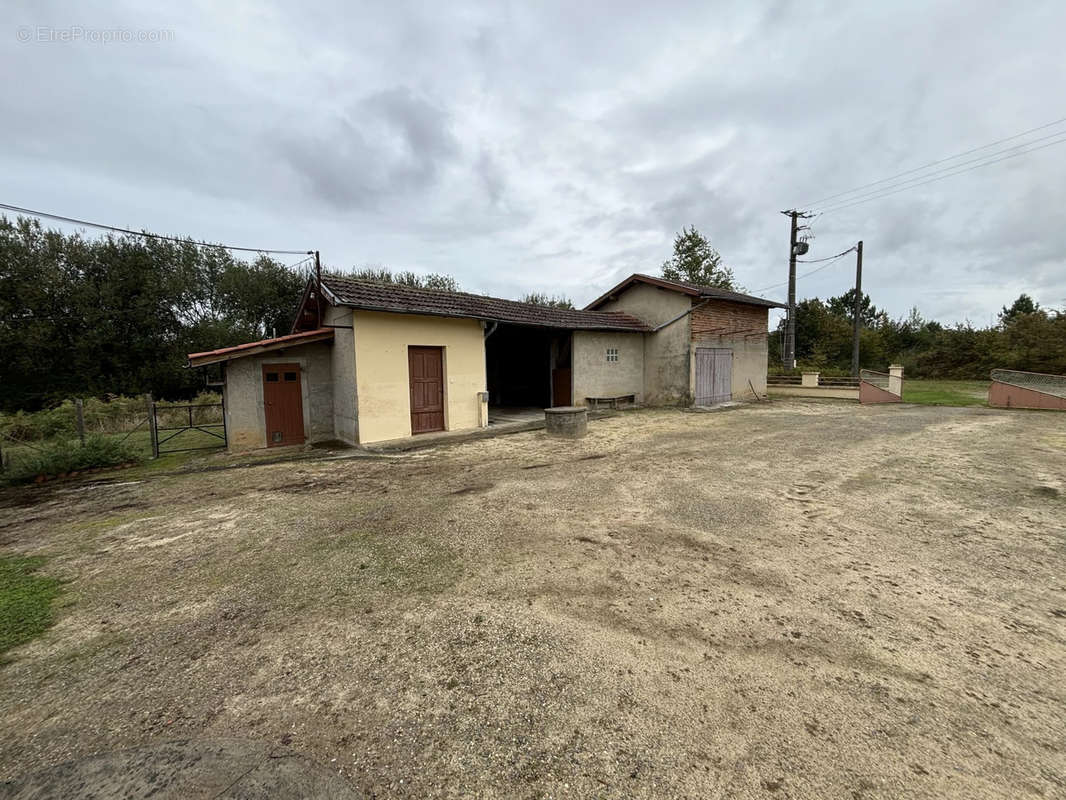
945,393
25,601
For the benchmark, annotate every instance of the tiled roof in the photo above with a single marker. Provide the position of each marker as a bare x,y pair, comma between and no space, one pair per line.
262,346
375,296
694,289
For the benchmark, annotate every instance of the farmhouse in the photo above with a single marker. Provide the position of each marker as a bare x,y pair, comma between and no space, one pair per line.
369,362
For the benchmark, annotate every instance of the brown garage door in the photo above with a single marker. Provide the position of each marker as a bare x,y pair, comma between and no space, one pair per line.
426,366
283,404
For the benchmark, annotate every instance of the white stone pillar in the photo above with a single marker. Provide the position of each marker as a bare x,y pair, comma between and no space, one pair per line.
895,379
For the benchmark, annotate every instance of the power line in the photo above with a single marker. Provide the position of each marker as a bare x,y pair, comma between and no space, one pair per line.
827,258
100,226
841,207
941,161
987,158
831,260
301,261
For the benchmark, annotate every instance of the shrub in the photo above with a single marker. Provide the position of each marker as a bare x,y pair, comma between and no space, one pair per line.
64,457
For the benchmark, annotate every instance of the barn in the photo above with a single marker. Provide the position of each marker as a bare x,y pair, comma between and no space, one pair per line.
371,362
705,345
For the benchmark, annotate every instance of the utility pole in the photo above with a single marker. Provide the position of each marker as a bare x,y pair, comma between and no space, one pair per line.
795,247
856,324
318,287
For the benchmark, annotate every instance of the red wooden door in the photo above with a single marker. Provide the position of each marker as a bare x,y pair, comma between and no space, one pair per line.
561,379
283,404
426,367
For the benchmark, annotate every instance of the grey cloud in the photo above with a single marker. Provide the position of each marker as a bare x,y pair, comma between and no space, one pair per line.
558,146
387,145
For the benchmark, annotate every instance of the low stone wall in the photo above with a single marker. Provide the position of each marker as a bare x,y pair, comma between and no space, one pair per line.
1006,395
833,392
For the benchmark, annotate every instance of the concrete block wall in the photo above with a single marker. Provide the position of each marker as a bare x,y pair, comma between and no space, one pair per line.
243,393
342,359
595,376
667,353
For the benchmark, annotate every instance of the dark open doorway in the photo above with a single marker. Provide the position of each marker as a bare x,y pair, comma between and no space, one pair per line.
527,367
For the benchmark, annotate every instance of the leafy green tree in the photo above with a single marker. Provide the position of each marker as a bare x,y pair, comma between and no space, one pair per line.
117,314
1032,340
432,280
695,261
549,300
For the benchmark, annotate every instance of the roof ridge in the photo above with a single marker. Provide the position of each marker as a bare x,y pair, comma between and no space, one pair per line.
402,286
393,285
374,295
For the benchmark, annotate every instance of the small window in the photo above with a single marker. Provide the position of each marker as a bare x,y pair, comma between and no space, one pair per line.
290,376
272,377
612,353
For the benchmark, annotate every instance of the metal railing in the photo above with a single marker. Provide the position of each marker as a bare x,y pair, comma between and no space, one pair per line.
878,379
1036,381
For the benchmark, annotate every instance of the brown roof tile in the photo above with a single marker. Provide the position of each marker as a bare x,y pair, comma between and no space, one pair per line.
262,346
375,296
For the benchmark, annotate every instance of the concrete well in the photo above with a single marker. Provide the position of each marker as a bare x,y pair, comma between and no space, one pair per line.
568,422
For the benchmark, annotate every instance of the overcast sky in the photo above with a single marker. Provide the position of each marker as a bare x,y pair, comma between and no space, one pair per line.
556,147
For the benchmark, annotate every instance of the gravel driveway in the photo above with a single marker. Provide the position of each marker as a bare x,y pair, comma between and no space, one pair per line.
796,599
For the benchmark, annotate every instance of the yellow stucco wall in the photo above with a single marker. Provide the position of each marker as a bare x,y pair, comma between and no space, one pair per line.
382,382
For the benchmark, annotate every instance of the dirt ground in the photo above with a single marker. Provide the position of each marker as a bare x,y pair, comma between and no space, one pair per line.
796,599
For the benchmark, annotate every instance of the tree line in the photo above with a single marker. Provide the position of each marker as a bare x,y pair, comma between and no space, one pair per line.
1025,337
117,314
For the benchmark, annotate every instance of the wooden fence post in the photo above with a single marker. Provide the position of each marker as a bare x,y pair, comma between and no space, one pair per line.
79,408
152,432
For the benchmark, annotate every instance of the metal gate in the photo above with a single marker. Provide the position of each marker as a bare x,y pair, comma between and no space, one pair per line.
714,376
181,421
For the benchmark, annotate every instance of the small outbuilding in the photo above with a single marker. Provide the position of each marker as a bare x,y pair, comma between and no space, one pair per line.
369,362
705,345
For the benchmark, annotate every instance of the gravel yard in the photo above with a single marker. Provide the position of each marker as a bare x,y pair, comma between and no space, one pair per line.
796,599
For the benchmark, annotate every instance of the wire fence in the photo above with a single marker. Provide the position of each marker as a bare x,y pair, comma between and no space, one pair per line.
130,422
878,379
1036,381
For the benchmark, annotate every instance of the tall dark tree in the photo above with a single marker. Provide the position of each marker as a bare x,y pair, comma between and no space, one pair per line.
695,261
844,306
1023,305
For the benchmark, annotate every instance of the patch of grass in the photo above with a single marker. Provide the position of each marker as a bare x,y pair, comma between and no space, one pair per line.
25,601
945,393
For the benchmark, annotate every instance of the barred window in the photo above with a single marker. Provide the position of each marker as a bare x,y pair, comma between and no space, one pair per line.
612,353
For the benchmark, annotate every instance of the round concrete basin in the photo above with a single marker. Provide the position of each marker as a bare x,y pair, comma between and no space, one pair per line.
568,422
